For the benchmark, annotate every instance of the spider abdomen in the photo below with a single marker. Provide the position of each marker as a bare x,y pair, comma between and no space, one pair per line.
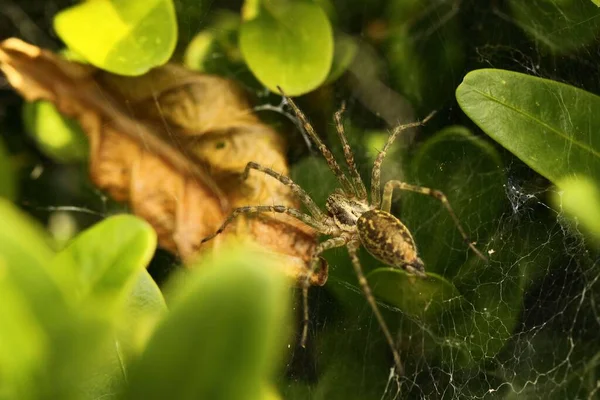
389,240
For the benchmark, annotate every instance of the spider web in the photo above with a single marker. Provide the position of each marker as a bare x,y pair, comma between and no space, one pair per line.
540,342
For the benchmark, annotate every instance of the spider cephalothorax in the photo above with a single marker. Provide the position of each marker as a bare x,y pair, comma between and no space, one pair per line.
352,220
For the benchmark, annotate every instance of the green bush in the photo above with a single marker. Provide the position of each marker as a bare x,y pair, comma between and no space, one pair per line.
517,154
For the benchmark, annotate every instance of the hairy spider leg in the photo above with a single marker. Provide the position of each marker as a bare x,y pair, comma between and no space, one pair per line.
353,247
321,247
333,165
307,219
387,203
376,174
361,190
296,189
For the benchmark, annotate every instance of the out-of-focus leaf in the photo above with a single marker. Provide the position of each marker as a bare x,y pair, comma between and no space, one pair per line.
415,51
580,198
223,335
561,26
551,126
288,44
59,137
173,143
127,37
345,50
215,49
108,256
68,337
7,180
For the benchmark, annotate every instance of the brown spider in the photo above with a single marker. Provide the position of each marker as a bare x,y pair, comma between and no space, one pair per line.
352,220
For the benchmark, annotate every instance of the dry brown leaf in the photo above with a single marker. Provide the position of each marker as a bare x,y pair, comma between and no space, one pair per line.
173,144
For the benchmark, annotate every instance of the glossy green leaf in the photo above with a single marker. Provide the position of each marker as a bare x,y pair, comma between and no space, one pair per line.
551,126
560,26
288,43
224,333
108,257
580,198
7,175
59,137
469,171
128,37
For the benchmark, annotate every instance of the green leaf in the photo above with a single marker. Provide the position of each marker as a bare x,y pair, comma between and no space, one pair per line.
551,126
108,257
469,171
416,297
223,335
343,55
596,2
290,44
66,339
580,198
129,37
561,26
8,184
59,137
415,58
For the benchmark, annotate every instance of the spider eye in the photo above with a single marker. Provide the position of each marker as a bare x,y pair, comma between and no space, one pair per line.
220,145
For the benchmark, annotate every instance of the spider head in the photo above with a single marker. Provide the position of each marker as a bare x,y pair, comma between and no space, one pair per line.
417,267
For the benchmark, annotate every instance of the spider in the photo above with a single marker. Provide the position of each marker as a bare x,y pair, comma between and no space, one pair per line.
352,220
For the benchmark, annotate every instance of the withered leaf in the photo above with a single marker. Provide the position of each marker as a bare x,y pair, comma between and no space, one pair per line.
173,144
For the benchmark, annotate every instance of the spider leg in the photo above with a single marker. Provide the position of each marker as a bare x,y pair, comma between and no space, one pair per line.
307,219
376,174
321,247
333,165
296,189
387,202
361,191
352,250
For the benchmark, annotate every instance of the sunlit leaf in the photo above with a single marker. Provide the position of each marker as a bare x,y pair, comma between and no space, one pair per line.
58,136
580,197
128,37
221,339
288,43
109,256
538,120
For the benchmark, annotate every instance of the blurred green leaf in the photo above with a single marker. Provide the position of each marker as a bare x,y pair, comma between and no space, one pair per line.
596,2
108,257
580,198
344,52
288,43
469,171
8,184
129,37
415,51
22,342
537,120
59,137
561,26
223,335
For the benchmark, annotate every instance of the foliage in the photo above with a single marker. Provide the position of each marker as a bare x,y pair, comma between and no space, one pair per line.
514,147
